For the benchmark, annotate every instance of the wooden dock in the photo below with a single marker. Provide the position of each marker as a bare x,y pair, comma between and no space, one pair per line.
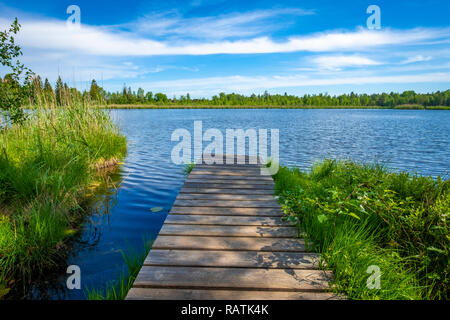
224,239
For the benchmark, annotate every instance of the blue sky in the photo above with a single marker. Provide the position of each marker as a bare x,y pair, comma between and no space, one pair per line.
208,46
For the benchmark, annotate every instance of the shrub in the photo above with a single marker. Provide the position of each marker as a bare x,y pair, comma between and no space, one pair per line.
358,213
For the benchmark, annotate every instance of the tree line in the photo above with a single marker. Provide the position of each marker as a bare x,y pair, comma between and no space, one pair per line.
38,92
21,88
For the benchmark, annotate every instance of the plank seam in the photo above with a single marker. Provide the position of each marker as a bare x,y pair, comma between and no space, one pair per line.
167,286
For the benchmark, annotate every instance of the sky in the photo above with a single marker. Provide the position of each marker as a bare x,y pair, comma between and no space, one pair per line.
205,47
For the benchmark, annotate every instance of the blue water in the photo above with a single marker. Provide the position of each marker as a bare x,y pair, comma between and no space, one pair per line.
411,140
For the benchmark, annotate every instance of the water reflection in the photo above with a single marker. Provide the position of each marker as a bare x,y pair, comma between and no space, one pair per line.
96,220
411,140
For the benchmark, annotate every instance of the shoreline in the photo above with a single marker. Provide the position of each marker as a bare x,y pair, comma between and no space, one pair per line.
131,106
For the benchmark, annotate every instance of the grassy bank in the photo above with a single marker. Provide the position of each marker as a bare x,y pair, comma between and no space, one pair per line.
361,215
48,165
143,106
420,107
152,106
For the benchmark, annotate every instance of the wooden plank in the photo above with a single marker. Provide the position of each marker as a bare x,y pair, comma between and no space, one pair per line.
225,191
232,278
228,167
201,294
221,179
233,164
231,178
228,231
206,184
229,243
219,196
225,220
223,172
235,259
262,212
233,160
227,203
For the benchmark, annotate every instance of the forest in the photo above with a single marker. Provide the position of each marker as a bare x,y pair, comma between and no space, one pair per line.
34,91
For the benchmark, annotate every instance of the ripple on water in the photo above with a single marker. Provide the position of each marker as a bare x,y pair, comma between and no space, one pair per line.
412,140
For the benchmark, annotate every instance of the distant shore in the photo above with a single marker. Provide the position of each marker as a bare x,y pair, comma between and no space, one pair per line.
152,106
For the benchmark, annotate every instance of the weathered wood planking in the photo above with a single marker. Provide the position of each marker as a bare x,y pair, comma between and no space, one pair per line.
229,243
226,191
208,184
270,212
214,294
202,196
227,231
232,278
225,239
228,203
238,259
225,220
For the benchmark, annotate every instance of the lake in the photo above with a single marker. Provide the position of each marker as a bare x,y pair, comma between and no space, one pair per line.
411,140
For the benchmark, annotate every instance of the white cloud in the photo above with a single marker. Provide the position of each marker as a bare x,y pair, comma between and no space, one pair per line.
342,61
53,35
111,52
224,26
418,58
248,83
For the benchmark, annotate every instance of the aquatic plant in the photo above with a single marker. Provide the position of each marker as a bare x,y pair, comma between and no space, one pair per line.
188,168
361,215
118,290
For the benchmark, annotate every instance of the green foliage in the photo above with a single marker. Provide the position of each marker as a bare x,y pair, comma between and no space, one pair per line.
119,290
188,168
405,100
12,93
47,167
361,214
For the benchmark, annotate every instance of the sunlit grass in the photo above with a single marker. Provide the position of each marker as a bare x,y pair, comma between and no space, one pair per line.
47,167
359,215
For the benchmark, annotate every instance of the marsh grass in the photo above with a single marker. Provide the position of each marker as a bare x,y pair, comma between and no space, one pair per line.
118,290
358,215
47,167
410,107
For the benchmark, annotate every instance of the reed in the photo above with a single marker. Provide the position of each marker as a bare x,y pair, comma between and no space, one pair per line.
47,168
118,290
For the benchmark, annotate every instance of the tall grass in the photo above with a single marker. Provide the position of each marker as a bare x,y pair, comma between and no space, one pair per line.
360,215
47,167
118,290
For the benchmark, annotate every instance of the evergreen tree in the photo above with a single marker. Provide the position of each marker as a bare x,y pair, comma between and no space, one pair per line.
59,91
37,91
141,95
49,95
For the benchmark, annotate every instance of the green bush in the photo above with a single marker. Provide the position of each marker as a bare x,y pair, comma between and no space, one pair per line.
360,214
